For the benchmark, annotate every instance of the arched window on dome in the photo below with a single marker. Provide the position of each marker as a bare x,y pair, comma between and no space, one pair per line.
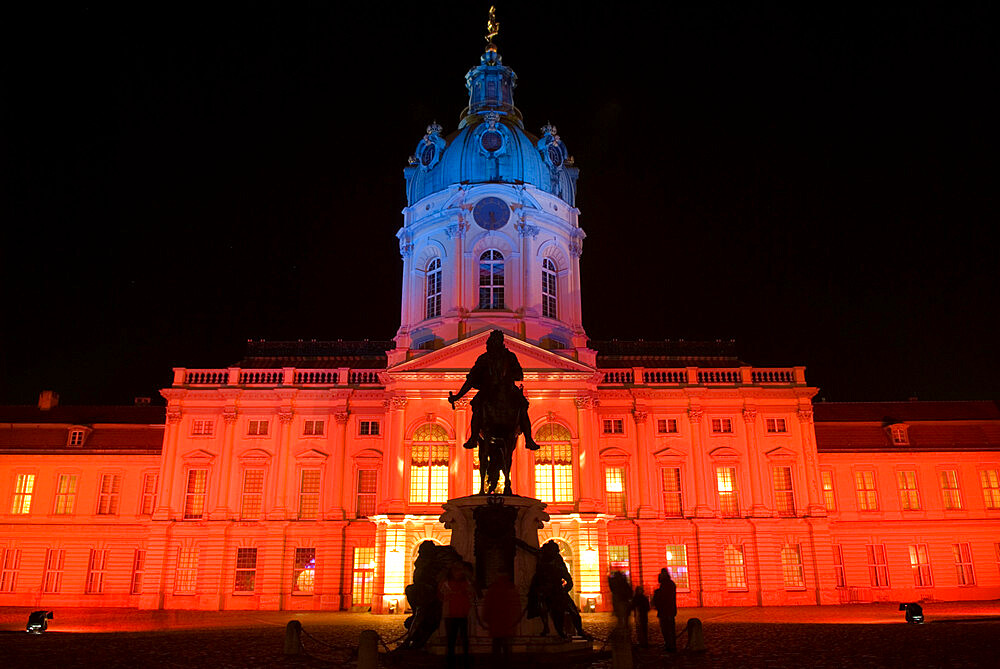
554,464
433,289
491,280
429,465
548,288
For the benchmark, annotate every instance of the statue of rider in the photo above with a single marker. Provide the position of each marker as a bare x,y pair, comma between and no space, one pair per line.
495,373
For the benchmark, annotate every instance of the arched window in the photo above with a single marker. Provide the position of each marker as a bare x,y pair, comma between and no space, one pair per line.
429,465
434,288
554,464
548,288
491,280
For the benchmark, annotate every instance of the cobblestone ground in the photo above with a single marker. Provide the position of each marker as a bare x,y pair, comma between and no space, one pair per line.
956,635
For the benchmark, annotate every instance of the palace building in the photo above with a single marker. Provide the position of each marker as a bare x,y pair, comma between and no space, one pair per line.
306,475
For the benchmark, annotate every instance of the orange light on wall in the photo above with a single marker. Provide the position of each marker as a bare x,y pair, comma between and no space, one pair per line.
395,559
590,572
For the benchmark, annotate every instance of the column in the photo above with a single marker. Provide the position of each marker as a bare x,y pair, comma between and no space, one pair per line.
222,508
339,504
406,252
395,456
588,464
757,506
701,508
168,463
285,416
575,313
644,471
463,458
816,506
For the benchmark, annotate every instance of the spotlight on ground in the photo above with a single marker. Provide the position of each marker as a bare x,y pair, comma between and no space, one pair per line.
914,612
38,622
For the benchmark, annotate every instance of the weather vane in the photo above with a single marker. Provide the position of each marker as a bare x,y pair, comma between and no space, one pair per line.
492,26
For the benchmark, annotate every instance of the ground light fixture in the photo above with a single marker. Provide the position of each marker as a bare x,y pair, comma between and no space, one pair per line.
38,622
914,612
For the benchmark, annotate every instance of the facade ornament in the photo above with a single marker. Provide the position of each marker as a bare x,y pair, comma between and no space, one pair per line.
229,414
749,415
433,129
462,403
173,415
640,416
285,415
695,415
576,243
397,402
805,415
526,229
584,402
457,230
341,417
405,249
492,118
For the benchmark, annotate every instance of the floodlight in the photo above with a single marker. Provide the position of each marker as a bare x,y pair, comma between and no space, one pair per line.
38,622
914,612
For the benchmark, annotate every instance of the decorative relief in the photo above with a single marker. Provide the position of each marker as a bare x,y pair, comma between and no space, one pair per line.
173,415
285,415
457,230
584,402
749,415
805,415
341,417
397,402
405,249
576,243
640,416
462,403
526,229
695,415
229,414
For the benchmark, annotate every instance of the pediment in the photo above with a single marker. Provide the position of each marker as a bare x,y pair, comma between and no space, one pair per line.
613,453
198,455
255,455
368,455
724,453
669,454
311,456
781,453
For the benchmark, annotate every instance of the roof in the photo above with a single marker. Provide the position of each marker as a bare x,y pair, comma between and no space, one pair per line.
665,353
364,354
892,412
84,415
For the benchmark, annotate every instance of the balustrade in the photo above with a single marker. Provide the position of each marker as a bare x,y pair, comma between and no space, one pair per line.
664,376
727,376
206,377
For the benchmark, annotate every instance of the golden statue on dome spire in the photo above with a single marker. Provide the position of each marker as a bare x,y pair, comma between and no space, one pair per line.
492,29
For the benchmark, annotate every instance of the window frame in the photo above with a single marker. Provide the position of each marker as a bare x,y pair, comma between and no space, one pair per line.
990,486
68,497
52,574
679,493
254,426
682,581
433,285
741,566
724,425
304,495
790,568
189,495
138,571
298,568
23,493
546,458
365,428
436,451
618,498
786,508
109,502
613,426
10,567
250,499
493,288
245,553
550,289
951,495
97,567
667,424
909,497
371,498
728,510
146,496
965,570
878,571
202,428
777,422
309,427
922,573
829,492
867,494
186,570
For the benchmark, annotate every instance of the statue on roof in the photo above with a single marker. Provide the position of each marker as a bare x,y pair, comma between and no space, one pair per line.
492,26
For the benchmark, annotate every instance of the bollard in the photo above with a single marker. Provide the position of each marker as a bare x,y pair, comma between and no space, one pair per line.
293,637
696,639
368,650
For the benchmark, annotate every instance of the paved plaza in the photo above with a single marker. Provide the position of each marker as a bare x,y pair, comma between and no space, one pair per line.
957,634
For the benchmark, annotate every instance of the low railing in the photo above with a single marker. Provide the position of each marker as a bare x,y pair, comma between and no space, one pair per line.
773,376
658,376
206,377
715,376
287,376
625,376
705,376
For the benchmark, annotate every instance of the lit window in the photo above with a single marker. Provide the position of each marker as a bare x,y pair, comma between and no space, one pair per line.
312,428
364,576
202,427
149,488
554,464
618,559
246,570
672,507
429,465
257,428
367,479
677,564
304,571
949,489
138,569
878,569
838,566
491,280
368,428
921,566
54,560
433,289
109,494
735,567
65,494
729,503
186,578
899,437
252,501
10,564
477,479
548,288
963,564
784,497
775,425
791,566
613,426
829,498
909,497
722,425
309,494
24,488
864,485
666,425
95,571
991,487
614,487
194,497
76,437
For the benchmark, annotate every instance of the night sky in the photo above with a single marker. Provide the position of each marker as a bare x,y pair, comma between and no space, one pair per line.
816,182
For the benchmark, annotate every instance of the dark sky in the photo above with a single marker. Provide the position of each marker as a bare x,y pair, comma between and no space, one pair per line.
817,182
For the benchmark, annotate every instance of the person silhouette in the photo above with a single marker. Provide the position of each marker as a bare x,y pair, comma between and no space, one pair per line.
640,605
665,602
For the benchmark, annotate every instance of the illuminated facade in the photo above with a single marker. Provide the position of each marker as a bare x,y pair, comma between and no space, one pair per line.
306,476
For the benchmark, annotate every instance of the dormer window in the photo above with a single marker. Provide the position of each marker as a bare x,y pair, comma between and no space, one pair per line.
76,437
899,436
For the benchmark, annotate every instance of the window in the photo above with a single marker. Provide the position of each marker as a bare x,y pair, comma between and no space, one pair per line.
186,578
554,464
666,426
613,426
76,437
829,497
477,480
864,485
138,569
614,488
304,571
10,564
433,289
367,479
784,497
735,567
313,428
150,482
899,437
963,564
246,570
65,494
429,465
672,507
677,565
95,571
791,566
24,488
252,500
194,497
921,566
838,566
950,494
618,558
991,487
368,428
52,580
996,550
878,569
909,498
109,492
491,280
257,428
775,425
309,494
548,288
364,576
202,427
729,503
722,425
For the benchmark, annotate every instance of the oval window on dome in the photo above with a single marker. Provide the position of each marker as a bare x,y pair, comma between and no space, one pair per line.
491,140
491,213
427,155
